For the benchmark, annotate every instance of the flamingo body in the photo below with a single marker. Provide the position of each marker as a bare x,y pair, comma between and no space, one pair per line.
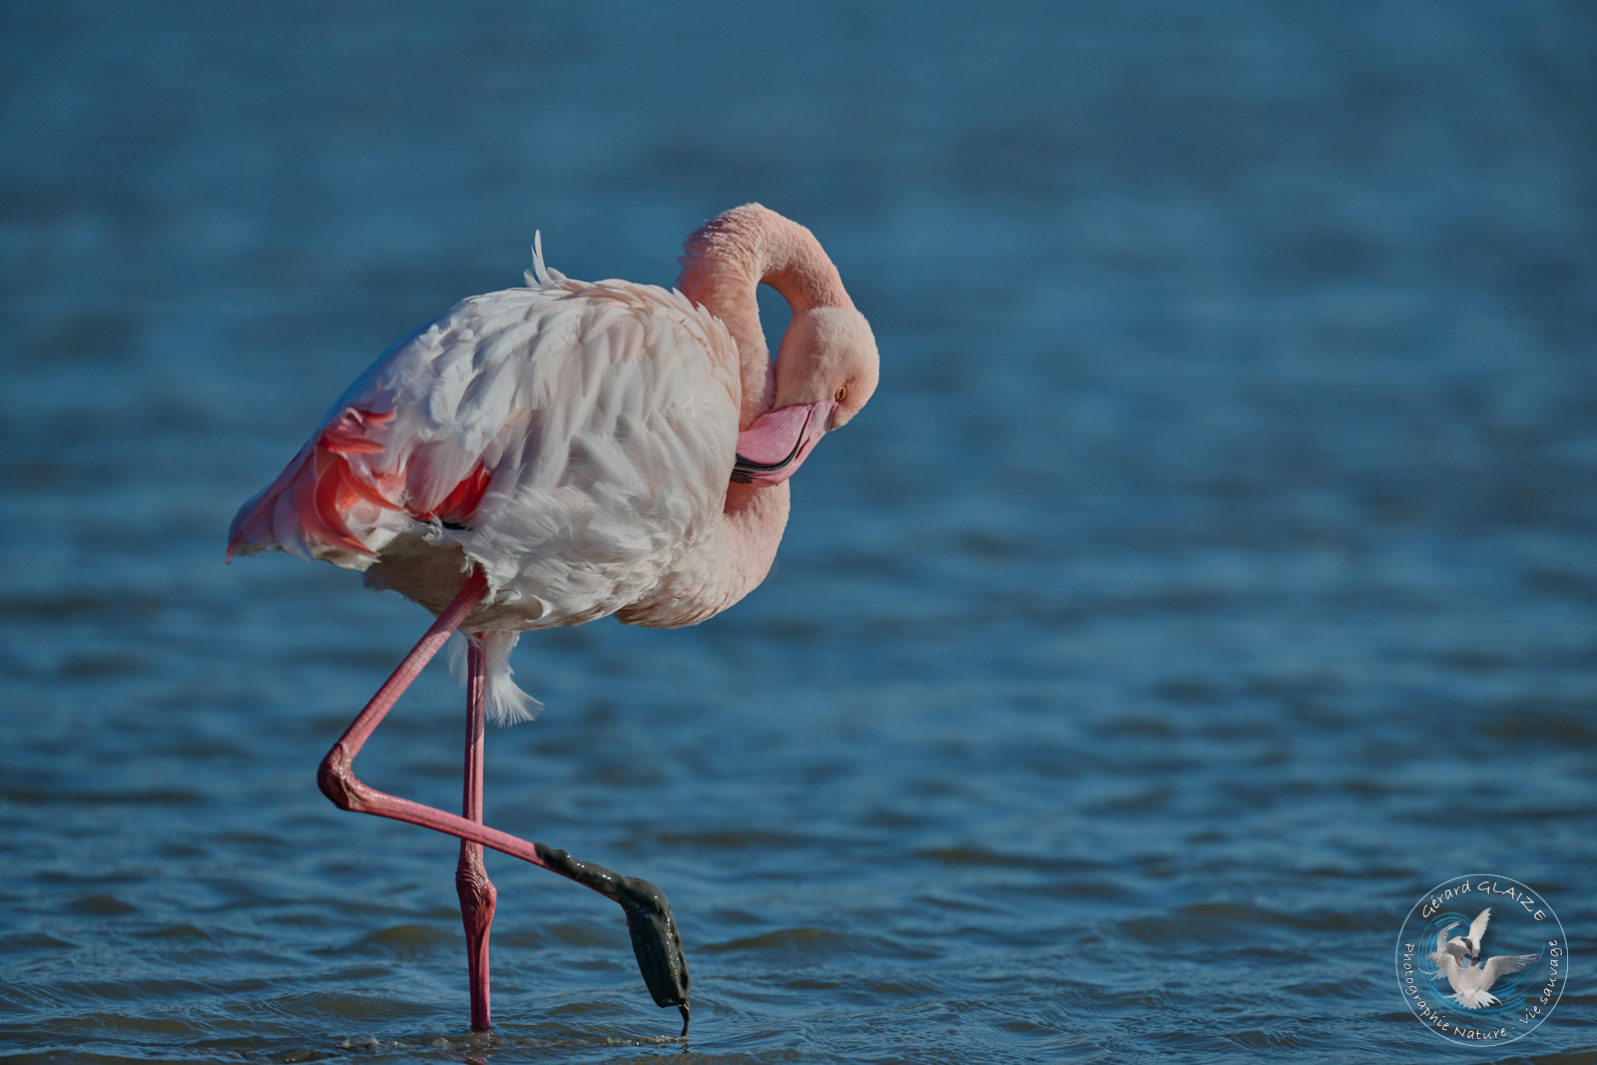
573,440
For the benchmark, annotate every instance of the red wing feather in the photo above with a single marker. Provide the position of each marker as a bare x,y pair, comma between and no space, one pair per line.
321,487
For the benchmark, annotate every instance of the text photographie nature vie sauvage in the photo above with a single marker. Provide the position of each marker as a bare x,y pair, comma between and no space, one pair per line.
557,453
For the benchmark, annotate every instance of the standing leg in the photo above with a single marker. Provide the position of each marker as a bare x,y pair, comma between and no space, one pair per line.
655,940
476,891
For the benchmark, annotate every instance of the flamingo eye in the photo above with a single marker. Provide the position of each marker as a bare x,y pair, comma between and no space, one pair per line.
841,394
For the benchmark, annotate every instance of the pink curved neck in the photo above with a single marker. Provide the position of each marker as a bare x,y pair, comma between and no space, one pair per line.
729,257
726,260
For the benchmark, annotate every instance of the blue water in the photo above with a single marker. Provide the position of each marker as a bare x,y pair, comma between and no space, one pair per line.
1214,572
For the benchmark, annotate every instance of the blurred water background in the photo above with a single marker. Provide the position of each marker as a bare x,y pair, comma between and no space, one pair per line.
1214,572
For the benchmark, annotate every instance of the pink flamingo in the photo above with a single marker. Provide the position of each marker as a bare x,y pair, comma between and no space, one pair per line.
552,454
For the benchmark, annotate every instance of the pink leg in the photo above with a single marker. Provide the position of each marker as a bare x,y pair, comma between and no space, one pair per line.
655,940
476,891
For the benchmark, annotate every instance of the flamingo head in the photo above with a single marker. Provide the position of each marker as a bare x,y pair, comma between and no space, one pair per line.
826,370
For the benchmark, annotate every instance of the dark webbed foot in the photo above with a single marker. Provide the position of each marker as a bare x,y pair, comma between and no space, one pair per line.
655,940
657,944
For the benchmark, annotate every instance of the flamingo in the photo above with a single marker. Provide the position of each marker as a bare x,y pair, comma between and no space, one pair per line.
561,452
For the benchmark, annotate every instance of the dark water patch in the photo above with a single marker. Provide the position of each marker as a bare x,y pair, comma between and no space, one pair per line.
100,906
797,942
733,840
404,939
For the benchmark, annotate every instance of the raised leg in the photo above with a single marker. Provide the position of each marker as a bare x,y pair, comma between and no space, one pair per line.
655,940
476,891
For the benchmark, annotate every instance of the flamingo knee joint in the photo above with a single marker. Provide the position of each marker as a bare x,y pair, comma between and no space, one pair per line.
338,782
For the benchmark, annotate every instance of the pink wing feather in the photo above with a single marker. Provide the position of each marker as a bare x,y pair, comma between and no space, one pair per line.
409,442
355,468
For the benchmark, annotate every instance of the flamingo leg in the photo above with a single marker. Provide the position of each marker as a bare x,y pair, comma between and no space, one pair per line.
476,891
656,942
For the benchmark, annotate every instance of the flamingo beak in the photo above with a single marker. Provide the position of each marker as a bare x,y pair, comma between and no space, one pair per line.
771,449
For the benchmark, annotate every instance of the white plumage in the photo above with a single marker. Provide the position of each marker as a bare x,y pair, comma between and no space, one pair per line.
573,440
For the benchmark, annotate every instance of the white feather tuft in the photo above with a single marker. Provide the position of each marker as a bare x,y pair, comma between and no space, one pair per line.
507,704
540,275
